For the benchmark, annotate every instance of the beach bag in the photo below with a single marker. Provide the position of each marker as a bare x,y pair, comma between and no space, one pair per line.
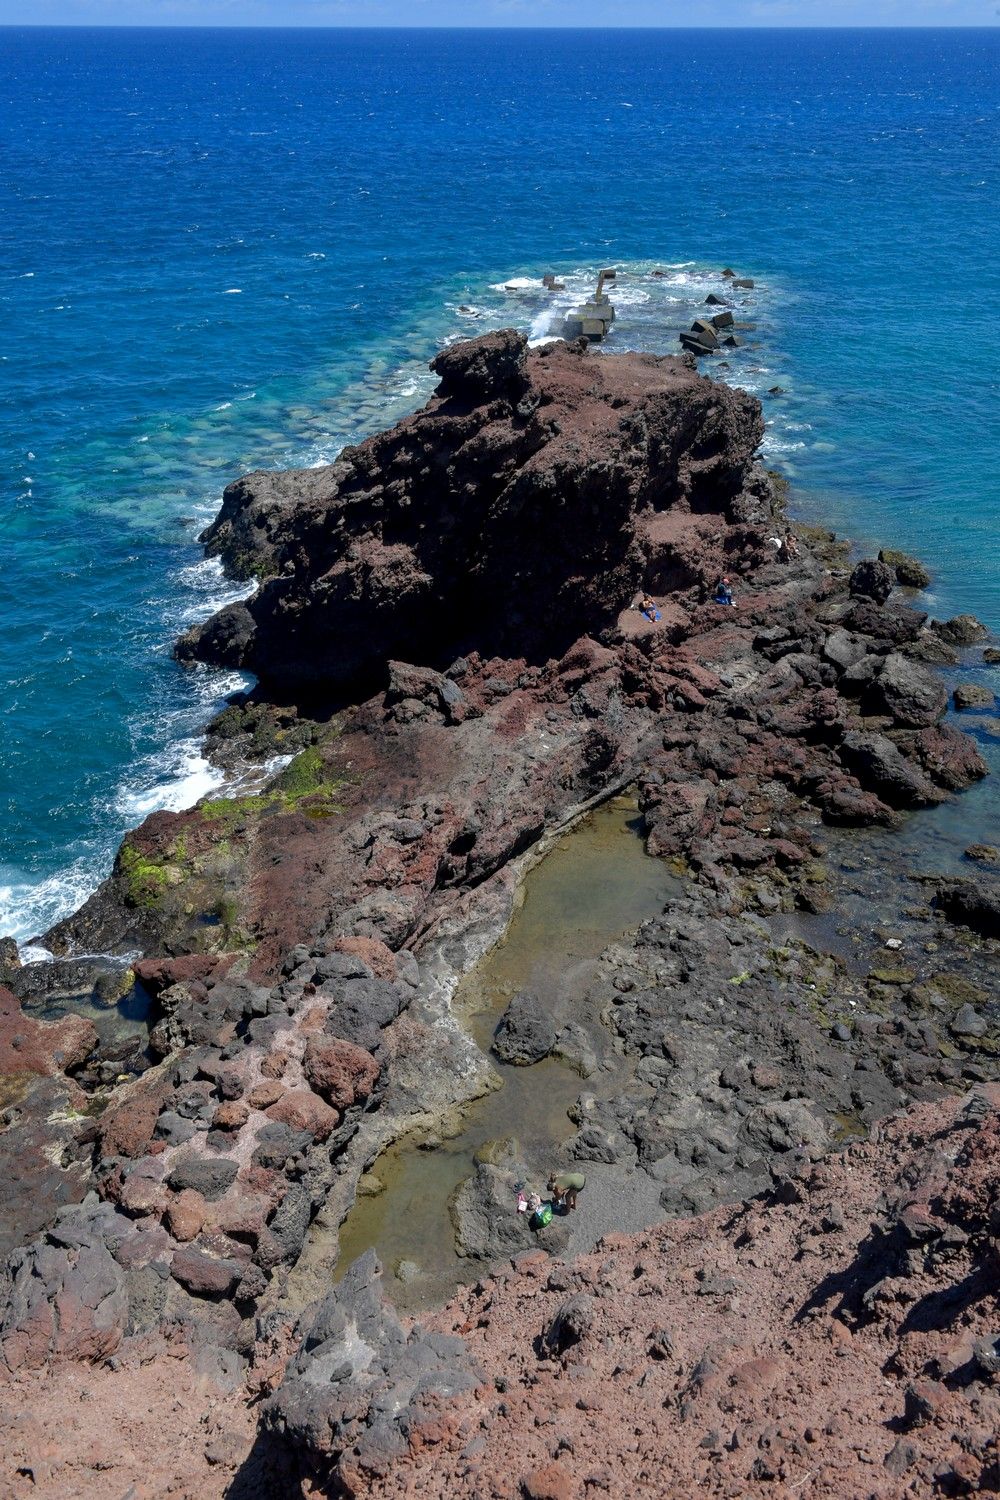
542,1216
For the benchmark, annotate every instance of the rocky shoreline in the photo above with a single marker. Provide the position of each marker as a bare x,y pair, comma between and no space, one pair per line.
470,575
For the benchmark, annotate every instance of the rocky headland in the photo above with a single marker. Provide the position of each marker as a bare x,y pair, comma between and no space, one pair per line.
448,653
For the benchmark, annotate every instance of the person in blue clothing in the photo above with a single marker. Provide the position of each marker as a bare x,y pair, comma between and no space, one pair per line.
647,606
723,592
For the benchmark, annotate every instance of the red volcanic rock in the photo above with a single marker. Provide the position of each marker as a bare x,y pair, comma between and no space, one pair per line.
140,1194
481,534
265,1094
158,974
231,1115
380,959
42,1048
274,1065
126,1127
301,1109
550,1482
343,1073
185,1215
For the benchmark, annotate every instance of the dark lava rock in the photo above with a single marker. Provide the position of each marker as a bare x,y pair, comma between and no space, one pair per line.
204,1275
525,1033
484,368
907,691
223,641
967,1022
355,1395
881,768
363,1007
570,1325
974,904
991,657
208,1175
458,515
960,630
873,579
988,853
972,695
908,570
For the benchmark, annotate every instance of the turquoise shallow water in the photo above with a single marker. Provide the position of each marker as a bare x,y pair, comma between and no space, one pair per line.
225,250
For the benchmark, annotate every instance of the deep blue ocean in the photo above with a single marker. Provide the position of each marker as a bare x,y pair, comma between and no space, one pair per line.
224,250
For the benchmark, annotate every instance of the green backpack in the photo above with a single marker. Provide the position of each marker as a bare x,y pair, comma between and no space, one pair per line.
542,1216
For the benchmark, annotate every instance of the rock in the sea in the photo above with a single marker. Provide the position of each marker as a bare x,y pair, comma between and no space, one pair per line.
872,580
360,1387
909,571
526,1033
448,541
988,853
960,630
975,904
909,692
880,767
973,695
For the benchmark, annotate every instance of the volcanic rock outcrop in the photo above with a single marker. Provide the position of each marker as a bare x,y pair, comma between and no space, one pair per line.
507,516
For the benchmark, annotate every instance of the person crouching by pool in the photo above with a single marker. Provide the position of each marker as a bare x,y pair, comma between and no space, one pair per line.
564,1188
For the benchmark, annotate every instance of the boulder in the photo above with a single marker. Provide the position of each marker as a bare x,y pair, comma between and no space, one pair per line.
961,630
526,1032
359,1389
302,1110
210,1176
973,695
908,692
974,904
186,1214
341,1072
872,579
65,1296
570,1325
967,1022
879,766
204,1275
909,572
481,369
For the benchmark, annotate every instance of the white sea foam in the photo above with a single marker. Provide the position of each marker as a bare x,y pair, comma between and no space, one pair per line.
28,907
232,291
185,776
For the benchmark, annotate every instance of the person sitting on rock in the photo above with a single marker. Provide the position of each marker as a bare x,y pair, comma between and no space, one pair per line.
647,606
564,1188
789,548
723,592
